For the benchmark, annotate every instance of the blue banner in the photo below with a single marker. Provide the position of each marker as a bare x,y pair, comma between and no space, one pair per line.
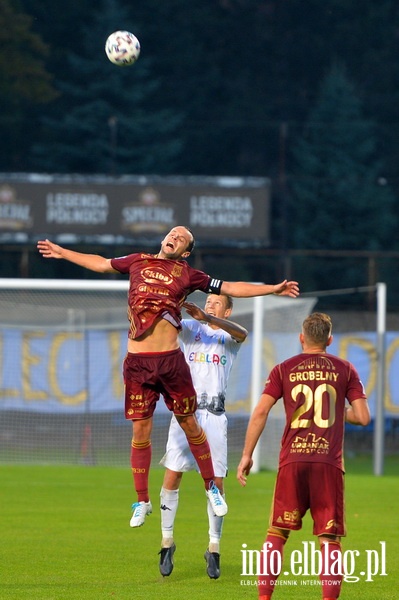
77,372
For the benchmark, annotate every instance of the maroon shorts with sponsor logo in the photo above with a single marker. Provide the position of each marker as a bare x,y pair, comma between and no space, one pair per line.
314,486
148,375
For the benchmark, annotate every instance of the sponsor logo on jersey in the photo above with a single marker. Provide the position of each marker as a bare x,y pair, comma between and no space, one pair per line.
153,276
204,357
311,444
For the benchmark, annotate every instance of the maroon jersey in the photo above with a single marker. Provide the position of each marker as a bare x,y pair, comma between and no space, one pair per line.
314,388
158,288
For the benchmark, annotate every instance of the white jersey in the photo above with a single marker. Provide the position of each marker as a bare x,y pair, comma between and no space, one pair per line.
210,354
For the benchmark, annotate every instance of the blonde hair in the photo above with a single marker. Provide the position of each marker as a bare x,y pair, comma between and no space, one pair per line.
317,328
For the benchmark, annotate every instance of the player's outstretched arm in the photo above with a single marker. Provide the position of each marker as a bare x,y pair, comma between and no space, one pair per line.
242,289
236,331
93,262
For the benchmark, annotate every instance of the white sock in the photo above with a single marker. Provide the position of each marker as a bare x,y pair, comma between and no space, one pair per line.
215,529
169,504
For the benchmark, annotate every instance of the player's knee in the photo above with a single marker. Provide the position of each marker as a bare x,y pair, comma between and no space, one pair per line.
142,430
189,424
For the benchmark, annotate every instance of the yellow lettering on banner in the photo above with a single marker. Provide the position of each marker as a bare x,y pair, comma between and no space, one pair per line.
29,361
389,404
116,374
69,400
370,350
4,392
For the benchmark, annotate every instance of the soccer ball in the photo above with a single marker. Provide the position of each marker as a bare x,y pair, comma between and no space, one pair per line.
122,48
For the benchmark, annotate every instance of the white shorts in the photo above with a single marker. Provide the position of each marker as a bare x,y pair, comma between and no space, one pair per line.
178,455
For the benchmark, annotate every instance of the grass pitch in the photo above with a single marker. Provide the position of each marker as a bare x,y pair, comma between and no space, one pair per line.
65,535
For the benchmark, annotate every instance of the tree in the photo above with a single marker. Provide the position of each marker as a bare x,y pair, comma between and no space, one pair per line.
339,200
235,70
24,81
100,123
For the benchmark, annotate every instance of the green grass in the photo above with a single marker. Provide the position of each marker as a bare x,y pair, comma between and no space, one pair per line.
65,535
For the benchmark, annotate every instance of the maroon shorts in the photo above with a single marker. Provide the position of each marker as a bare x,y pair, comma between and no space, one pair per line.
148,375
318,487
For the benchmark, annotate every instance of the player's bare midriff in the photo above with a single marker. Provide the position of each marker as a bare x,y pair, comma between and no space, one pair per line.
161,337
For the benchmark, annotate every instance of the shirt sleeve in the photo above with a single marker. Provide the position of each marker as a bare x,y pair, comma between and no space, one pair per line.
274,383
122,263
355,388
203,282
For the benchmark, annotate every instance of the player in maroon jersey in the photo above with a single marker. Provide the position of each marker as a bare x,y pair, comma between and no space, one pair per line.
154,365
314,386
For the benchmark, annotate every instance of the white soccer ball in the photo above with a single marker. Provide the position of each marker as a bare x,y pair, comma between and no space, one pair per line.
122,48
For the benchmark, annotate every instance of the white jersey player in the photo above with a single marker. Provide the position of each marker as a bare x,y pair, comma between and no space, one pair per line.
210,343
